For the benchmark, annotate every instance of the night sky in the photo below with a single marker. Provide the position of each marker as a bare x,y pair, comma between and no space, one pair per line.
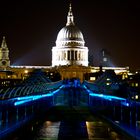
31,28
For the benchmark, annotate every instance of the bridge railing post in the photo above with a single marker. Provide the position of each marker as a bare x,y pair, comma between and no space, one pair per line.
25,111
89,99
130,115
136,116
7,118
121,112
17,114
114,111
53,99
32,109
0,119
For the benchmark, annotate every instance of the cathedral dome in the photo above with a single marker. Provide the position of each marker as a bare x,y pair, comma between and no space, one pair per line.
70,46
70,34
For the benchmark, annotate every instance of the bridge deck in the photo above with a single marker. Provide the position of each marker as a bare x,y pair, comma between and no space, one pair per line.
68,110
69,123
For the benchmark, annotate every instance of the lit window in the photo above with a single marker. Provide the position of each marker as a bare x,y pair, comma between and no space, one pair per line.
136,84
108,79
136,97
124,76
104,59
107,84
92,78
93,70
26,71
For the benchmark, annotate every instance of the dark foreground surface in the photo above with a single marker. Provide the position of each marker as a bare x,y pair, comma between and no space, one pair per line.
64,123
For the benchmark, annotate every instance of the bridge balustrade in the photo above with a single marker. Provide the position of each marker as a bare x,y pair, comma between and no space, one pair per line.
116,109
19,105
14,116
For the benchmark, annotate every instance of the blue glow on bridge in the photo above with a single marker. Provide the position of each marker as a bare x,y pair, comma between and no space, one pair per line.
123,101
22,102
27,99
108,97
126,104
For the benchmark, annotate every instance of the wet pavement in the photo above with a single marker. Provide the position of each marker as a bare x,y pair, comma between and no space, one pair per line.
74,126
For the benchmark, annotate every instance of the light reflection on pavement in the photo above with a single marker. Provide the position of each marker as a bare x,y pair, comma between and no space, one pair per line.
96,130
49,131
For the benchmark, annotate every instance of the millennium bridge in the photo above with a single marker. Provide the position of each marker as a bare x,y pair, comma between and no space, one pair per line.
69,108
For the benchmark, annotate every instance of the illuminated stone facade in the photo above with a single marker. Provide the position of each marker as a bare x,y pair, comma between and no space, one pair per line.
70,45
4,55
69,57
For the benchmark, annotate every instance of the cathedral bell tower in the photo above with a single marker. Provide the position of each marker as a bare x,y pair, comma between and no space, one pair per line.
4,55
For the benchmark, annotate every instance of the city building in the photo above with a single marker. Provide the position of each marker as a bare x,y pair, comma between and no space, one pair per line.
69,57
4,55
70,45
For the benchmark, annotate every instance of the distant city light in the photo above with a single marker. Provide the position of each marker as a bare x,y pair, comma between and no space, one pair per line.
26,71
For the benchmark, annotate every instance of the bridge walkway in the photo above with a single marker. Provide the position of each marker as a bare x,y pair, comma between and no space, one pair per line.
71,109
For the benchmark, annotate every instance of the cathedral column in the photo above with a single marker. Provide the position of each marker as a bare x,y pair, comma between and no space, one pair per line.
65,55
61,55
79,55
82,55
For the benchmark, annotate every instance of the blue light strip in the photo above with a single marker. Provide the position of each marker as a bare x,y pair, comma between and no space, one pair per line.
125,104
107,97
22,102
27,99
